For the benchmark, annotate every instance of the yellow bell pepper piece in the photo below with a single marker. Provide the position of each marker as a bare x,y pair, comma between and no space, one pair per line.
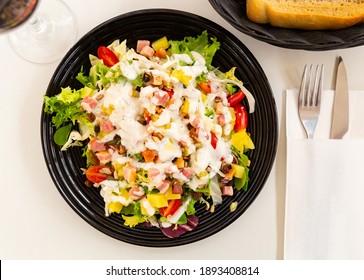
143,210
181,76
161,43
124,193
185,107
157,200
115,206
236,140
241,140
203,97
169,195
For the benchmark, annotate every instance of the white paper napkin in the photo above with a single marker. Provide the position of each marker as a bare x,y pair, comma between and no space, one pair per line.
325,185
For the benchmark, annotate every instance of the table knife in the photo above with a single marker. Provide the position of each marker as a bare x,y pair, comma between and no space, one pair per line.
340,114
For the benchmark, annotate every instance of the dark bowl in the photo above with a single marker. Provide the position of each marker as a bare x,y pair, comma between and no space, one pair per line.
65,167
234,11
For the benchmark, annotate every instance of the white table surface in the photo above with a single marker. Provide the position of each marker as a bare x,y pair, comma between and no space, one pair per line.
36,223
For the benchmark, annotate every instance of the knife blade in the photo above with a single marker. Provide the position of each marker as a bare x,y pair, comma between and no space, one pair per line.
340,113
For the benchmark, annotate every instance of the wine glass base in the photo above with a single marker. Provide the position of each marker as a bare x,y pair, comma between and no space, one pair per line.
48,35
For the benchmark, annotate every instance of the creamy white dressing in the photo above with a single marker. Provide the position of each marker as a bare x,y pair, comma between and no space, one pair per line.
108,190
126,109
130,70
200,60
168,149
182,57
148,207
124,116
164,118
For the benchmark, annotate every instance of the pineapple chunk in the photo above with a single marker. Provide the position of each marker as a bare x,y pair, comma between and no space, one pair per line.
239,170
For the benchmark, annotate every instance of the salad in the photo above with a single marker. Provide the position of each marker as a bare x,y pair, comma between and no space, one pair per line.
162,130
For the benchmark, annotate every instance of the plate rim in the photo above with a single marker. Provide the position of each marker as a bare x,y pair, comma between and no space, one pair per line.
65,60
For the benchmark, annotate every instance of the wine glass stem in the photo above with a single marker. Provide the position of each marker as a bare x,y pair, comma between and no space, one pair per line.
41,26
37,24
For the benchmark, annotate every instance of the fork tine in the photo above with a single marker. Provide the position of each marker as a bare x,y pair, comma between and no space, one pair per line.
319,81
310,97
302,91
309,88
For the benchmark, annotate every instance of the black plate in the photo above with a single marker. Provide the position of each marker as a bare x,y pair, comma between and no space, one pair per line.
64,167
234,11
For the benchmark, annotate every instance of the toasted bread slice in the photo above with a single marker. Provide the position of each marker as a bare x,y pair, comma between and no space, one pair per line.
306,14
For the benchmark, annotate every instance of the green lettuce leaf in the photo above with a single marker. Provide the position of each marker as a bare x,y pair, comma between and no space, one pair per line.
64,106
202,44
60,137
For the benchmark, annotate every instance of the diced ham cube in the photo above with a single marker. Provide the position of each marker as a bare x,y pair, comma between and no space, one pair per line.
104,157
141,44
88,104
196,122
177,188
147,51
163,186
160,98
129,173
107,126
227,190
153,173
188,172
96,146
136,192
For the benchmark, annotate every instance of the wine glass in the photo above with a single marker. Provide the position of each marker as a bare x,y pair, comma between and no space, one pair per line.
49,28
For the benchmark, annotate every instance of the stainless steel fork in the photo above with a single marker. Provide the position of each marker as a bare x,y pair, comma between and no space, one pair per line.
309,99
